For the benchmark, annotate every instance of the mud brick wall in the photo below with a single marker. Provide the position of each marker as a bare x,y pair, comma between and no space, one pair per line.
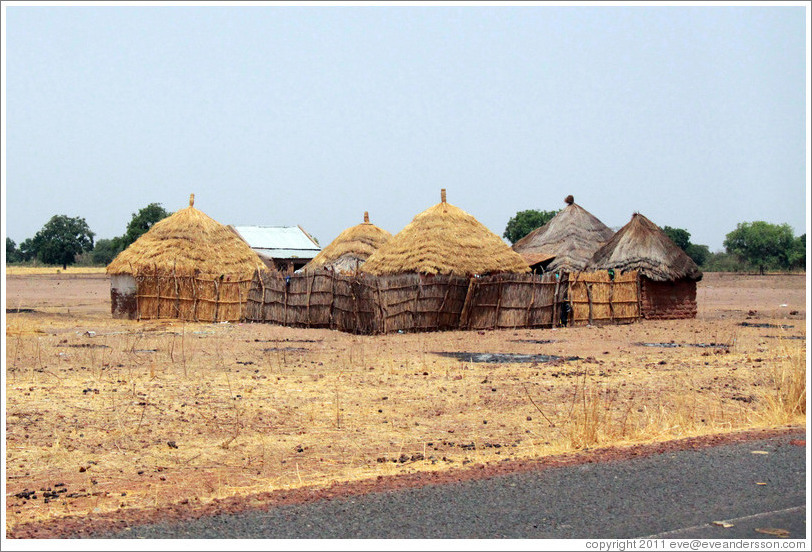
668,300
123,296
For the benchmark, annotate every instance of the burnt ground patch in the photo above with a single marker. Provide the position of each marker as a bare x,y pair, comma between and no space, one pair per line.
536,341
285,349
288,340
502,358
19,310
785,336
764,325
83,345
671,345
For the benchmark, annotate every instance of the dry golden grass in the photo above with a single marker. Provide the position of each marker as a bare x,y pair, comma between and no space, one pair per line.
785,397
138,415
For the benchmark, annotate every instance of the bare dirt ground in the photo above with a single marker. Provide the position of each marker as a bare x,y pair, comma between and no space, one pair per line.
111,421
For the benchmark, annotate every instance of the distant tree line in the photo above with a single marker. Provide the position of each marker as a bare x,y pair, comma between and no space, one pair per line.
68,240
752,246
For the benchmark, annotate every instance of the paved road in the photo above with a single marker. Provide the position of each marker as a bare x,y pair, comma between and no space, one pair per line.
673,495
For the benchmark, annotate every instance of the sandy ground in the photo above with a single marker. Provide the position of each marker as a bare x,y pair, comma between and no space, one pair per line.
114,420
85,294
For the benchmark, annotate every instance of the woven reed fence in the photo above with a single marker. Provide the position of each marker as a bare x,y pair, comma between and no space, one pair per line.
164,294
596,298
511,301
414,302
357,304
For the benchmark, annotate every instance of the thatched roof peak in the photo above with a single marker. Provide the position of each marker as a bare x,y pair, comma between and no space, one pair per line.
444,239
572,236
351,248
188,242
641,245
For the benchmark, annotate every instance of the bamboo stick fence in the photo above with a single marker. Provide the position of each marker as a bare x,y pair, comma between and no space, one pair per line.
598,298
414,302
165,294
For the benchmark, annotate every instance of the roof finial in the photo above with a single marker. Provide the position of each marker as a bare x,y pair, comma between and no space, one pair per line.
442,195
569,200
366,216
192,200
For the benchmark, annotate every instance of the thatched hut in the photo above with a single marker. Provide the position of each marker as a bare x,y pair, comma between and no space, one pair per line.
668,276
351,248
444,239
566,243
186,266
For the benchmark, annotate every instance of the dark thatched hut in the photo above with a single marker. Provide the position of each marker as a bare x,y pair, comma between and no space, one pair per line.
187,266
351,248
668,276
566,243
444,239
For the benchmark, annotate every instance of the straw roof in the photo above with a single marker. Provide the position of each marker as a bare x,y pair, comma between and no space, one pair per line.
189,242
642,246
351,248
572,236
444,239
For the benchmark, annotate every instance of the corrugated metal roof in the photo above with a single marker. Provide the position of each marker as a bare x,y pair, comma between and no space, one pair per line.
286,253
280,242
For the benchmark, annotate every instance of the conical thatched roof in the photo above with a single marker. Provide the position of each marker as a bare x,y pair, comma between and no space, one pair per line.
189,242
572,236
351,248
444,239
642,246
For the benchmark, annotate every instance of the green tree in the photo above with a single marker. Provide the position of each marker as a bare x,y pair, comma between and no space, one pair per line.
762,244
724,262
698,253
12,253
26,249
679,236
525,222
682,238
61,239
141,222
797,254
105,251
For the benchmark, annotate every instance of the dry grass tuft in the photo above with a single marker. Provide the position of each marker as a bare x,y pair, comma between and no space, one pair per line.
785,397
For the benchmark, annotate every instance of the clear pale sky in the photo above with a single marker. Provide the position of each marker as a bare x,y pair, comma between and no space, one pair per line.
271,115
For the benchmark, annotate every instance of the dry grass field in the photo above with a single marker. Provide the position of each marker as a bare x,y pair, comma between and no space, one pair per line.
105,415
